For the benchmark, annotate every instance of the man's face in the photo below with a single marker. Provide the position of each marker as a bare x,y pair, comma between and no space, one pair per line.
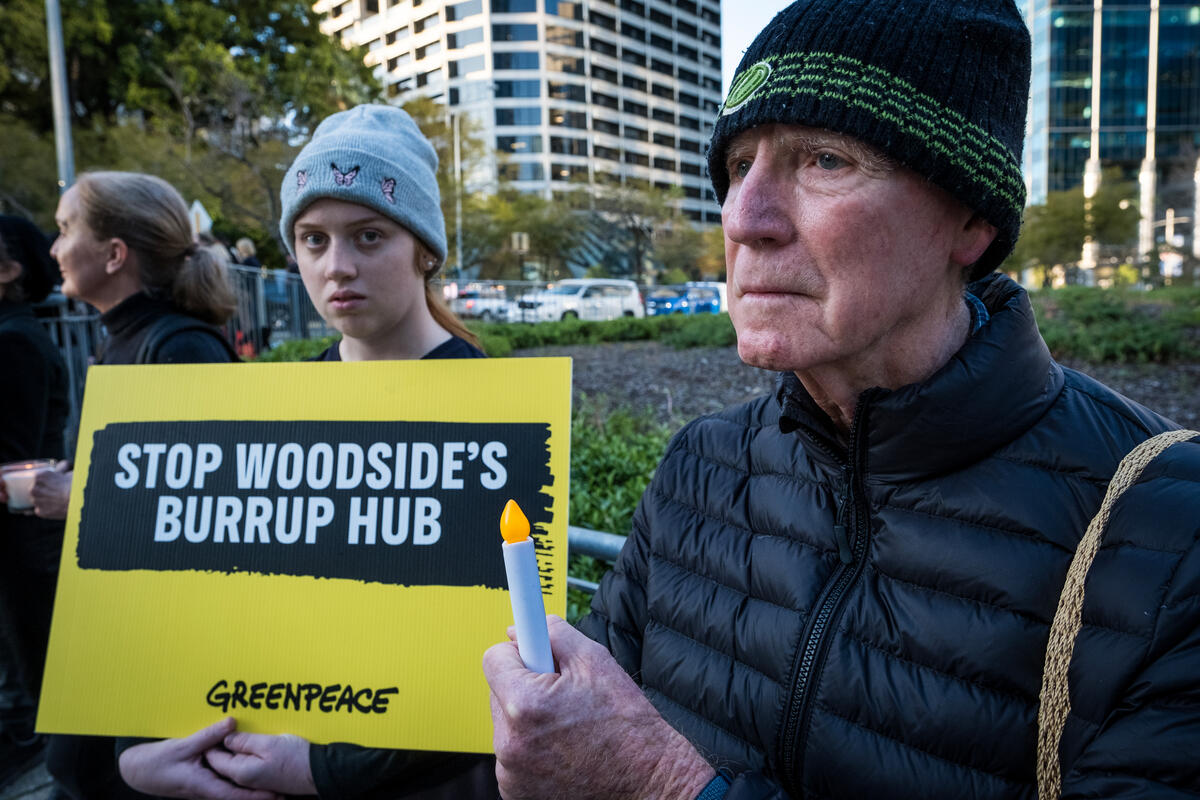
834,254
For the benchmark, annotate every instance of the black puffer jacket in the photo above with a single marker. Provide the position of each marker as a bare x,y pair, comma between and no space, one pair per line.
866,621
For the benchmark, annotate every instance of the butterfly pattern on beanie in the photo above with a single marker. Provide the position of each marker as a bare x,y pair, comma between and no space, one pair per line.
301,178
388,187
344,178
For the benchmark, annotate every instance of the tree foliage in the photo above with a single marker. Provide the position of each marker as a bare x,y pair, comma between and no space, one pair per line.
1053,233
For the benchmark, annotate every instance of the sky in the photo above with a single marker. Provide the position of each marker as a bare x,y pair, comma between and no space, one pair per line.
741,20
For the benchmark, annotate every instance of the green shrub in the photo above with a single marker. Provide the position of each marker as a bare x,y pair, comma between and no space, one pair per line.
702,330
297,349
613,456
1115,325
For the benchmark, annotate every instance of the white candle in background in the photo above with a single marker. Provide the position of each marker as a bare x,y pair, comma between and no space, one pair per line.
525,590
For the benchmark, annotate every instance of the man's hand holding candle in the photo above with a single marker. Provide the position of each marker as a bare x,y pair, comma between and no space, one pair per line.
586,731
52,491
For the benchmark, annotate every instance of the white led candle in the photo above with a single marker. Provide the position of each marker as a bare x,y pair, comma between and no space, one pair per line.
525,590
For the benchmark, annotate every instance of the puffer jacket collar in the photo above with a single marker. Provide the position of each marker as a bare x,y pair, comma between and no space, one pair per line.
992,390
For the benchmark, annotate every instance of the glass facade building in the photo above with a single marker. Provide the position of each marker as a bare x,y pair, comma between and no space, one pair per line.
1147,105
570,91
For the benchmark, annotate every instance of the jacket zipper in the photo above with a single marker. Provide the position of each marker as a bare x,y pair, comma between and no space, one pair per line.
852,554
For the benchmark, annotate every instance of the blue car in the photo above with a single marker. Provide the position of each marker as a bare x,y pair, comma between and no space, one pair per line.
683,300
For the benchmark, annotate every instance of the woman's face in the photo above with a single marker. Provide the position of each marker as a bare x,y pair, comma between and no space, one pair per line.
81,255
359,268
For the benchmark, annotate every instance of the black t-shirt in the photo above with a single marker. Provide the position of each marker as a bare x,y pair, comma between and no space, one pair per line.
454,347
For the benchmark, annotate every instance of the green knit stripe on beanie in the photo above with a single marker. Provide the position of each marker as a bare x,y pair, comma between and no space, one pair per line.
830,77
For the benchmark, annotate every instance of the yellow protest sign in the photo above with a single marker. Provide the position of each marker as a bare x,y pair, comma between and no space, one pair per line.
311,548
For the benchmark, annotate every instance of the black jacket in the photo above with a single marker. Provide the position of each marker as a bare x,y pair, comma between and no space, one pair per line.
132,322
870,620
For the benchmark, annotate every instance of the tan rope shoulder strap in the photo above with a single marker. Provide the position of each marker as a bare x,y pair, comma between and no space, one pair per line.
1055,699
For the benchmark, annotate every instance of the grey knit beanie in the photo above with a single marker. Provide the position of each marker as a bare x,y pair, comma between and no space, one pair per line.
373,155
940,86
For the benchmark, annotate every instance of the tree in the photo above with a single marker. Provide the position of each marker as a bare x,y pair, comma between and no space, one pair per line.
1053,233
712,257
209,94
678,248
635,213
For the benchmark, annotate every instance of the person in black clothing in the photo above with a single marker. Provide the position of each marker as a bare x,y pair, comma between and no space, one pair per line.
125,246
845,588
368,236
33,413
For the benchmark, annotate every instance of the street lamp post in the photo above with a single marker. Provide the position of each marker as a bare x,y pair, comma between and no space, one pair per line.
58,95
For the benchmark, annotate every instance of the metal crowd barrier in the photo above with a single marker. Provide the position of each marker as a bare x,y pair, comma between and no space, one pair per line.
597,544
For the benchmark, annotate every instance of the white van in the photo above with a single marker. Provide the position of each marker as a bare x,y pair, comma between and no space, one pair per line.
581,298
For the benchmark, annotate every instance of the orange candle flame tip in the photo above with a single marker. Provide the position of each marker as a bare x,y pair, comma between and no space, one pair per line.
514,525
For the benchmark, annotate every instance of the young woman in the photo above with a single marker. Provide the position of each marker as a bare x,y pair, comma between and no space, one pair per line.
361,215
125,246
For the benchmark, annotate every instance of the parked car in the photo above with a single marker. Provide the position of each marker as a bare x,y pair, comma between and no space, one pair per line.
581,298
486,305
683,300
718,286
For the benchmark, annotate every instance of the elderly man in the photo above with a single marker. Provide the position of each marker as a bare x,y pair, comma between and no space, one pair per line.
844,589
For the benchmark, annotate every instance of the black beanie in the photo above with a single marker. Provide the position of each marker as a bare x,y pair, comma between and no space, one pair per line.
29,247
939,86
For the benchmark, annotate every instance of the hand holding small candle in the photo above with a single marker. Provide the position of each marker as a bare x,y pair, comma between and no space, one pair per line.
525,590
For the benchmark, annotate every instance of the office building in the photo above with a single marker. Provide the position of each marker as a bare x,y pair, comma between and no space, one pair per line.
1118,84
601,92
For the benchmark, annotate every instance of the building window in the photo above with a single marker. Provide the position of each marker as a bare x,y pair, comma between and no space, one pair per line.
431,49
633,32
686,28
463,10
604,73
569,37
689,146
664,163
658,90
710,38
661,66
456,41
633,57
689,169
425,23
604,126
513,6
531,171
606,100
607,153
514,33
431,78
630,107
525,115
519,144
632,82
634,6
661,18
518,88
602,46
689,123
514,60
568,147
661,42
566,91
470,92
568,172
687,52
692,191
689,76
565,8
689,99
370,7
665,140
662,115
394,36
638,134
687,5
558,63
465,66
568,119
639,159
604,21
399,61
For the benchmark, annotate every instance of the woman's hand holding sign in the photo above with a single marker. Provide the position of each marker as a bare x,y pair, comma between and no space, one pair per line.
180,767
263,761
584,732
